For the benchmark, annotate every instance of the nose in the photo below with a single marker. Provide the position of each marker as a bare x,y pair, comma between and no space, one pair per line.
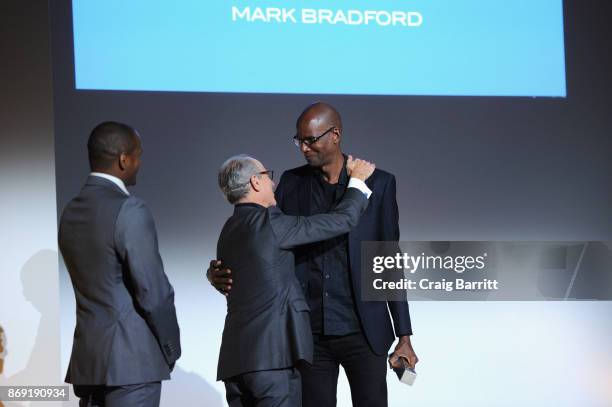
304,148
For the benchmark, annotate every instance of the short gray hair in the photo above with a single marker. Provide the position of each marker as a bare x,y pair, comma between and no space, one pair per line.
234,176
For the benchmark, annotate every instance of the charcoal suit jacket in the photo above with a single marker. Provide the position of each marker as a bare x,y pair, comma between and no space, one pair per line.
267,324
126,327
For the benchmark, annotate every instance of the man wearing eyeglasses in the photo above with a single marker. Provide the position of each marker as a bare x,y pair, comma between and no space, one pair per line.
267,329
346,330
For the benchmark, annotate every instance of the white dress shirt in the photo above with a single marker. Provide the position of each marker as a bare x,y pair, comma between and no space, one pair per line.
360,185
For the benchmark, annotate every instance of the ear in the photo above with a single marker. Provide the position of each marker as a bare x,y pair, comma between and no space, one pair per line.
123,161
337,135
255,183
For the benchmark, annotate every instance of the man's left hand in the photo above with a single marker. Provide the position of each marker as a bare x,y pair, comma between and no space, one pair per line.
403,350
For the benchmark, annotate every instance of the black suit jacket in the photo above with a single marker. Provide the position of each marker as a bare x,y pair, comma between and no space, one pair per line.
379,223
126,327
267,325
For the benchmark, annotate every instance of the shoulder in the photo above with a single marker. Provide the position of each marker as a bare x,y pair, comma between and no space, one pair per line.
383,175
133,203
296,173
290,180
134,210
273,213
380,179
70,206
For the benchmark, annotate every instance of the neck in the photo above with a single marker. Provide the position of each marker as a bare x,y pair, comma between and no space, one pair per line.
331,171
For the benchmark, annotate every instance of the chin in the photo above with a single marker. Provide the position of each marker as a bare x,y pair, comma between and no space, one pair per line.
313,162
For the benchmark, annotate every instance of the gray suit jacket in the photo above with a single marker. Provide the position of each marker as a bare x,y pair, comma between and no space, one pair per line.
126,327
267,324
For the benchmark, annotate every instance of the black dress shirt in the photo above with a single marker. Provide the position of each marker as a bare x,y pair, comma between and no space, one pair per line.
330,295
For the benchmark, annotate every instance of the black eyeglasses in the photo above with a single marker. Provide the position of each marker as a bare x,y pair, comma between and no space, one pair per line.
309,140
269,173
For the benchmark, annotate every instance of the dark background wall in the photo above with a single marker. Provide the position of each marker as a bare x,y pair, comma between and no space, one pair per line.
468,168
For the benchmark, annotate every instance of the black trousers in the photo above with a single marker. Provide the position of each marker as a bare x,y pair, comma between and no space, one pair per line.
266,388
366,372
133,395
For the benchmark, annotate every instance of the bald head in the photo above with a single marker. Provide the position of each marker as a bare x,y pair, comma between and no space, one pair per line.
320,114
319,131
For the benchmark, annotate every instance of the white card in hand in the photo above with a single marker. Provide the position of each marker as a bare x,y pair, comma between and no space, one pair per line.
408,376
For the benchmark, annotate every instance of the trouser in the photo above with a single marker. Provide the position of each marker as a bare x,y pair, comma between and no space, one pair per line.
366,372
133,395
266,388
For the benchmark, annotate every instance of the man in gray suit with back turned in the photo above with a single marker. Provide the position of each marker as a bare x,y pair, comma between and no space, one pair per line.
126,339
267,327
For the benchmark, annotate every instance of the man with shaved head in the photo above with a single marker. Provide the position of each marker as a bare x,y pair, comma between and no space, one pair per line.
346,330
317,121
127,338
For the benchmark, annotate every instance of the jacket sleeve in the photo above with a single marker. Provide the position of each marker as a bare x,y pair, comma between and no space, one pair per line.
390,232
136,244
292,231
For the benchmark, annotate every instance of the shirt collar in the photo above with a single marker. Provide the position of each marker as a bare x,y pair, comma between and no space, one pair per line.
252,204
111,178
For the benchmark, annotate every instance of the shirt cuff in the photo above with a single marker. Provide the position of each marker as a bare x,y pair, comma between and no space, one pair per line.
360,185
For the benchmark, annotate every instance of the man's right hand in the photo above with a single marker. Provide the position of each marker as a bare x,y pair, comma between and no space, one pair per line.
359,169
219,277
